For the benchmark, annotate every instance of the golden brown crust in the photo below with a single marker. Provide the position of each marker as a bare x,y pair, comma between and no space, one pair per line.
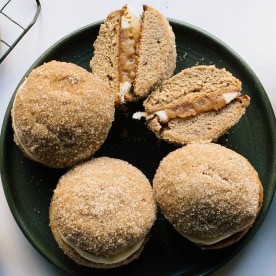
103,206
208,191
62,114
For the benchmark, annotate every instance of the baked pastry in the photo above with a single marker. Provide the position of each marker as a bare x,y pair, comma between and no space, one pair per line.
101,213
198,104
209,193
61,114
134,55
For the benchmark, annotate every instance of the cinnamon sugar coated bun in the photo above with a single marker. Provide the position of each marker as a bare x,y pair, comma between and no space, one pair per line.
101,213
61,114
209,193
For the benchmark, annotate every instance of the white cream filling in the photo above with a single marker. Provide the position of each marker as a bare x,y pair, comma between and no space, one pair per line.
163,117
206,241
125,24
230,96
139,115
124,89
127,252
130,18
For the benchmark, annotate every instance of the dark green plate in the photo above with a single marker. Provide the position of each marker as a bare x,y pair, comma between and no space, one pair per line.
28,186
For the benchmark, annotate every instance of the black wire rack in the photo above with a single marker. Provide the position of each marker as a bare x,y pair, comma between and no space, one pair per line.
8,46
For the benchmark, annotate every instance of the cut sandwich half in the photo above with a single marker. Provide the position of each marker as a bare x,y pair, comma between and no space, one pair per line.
199,104
134,55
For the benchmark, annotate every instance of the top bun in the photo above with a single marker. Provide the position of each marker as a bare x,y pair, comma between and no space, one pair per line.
61,114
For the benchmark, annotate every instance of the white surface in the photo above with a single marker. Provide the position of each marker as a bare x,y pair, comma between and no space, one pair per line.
246,26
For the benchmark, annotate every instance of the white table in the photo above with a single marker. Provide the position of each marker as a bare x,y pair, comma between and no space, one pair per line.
246,26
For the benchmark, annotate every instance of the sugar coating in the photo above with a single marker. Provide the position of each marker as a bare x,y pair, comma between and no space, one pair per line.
103,206
207,191
61,114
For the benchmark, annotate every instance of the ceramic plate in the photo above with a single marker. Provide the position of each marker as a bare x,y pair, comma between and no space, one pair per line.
29,186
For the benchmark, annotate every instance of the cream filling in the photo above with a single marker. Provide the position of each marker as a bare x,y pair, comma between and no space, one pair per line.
139,115
130,18
127,252
192,109
230,96
209,241
125,88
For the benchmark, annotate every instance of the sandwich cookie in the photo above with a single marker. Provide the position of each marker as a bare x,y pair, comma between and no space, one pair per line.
133,54
199,104
101,213
61,114
210,194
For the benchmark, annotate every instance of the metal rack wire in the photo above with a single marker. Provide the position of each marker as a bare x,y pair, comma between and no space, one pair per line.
23,30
